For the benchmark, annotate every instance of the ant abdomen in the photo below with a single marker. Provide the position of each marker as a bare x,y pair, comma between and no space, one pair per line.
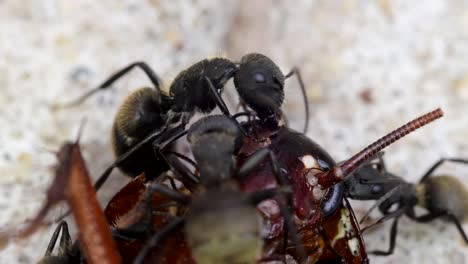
445,193
142,112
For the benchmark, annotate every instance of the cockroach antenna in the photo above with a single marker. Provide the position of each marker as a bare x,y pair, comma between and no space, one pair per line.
339,172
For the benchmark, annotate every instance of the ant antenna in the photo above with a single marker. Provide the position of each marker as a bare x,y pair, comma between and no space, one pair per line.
338,172
296,71
78,100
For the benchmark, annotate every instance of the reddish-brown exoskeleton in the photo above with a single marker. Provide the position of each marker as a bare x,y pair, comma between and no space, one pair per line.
326,225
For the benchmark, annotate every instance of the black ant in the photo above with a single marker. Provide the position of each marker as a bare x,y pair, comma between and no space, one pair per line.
147,117
222,224
442,196
67,252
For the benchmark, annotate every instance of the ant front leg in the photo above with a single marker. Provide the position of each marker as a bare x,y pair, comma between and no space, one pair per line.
222,105
182,172
155,80
297,72
440,162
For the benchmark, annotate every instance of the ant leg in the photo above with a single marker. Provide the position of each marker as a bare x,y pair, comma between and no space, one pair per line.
379,202
155,80
248,114
252,162
183,174
395,214
156,238
178,132
440,162
222,106
182,157
432,216
151,137
287,211
219,101
65,240
170,193
297,72
393,233
180,170
243,105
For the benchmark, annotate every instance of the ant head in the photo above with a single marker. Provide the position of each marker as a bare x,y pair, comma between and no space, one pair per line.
215,139
370,183
260,83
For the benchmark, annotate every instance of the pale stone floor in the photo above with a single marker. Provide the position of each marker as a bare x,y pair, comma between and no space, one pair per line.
369,66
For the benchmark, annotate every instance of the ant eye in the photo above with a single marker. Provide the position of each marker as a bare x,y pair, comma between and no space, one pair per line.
259,77
376,189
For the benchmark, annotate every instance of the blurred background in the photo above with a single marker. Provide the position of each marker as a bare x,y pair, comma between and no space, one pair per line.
369,66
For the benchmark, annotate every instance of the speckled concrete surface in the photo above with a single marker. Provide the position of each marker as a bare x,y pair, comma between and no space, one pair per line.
369,66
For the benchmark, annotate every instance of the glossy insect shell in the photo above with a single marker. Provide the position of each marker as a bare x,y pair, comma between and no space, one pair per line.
174,248
340,230
298,156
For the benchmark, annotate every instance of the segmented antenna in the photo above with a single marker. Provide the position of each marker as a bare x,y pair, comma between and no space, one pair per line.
337,173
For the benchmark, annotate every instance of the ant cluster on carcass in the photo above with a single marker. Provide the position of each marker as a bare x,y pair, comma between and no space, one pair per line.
256,192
